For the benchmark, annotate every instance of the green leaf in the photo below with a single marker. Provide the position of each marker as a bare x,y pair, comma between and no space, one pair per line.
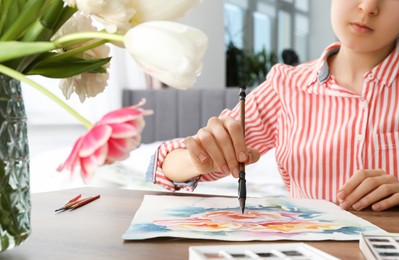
9,11
45,27
67,13
31,12
69,67
14,49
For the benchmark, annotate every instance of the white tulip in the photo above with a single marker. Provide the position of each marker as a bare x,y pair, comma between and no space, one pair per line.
120,15
156,10
168,51
85,84
115,15
71,3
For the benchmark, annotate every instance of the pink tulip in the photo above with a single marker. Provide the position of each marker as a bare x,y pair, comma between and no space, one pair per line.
110,139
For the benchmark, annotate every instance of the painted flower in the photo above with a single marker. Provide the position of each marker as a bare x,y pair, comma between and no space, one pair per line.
110,139
168,51
156,10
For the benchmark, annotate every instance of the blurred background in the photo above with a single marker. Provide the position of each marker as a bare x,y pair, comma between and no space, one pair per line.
246,37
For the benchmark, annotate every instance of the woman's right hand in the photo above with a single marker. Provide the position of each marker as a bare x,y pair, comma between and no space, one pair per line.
220,146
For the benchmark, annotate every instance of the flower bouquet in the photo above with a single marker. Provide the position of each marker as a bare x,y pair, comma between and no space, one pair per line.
69,40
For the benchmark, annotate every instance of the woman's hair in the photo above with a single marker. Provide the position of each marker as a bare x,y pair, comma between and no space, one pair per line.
290,57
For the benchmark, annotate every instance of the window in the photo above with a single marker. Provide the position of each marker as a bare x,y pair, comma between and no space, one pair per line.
274,25
284,31
263,28
234,24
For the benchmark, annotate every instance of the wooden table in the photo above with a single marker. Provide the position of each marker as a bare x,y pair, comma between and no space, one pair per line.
94,231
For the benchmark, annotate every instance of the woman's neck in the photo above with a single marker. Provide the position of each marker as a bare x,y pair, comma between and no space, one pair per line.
349,67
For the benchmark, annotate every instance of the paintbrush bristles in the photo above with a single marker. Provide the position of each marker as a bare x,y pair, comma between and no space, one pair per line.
242,191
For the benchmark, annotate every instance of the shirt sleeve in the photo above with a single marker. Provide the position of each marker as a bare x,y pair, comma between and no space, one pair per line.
261,115
155,174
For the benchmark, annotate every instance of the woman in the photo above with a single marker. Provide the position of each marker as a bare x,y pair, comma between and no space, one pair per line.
334,122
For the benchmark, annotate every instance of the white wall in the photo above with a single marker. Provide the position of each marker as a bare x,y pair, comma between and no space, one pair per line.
322,34
209,18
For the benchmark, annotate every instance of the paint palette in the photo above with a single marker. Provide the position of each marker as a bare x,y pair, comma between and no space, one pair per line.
294,251
380,246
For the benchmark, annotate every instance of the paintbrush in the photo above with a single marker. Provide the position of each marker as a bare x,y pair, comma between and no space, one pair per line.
242,189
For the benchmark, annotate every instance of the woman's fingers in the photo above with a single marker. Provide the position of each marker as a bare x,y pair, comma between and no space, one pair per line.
366,188
220,146
199,156
253,156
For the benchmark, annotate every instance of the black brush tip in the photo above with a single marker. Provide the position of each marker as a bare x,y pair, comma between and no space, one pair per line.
242,204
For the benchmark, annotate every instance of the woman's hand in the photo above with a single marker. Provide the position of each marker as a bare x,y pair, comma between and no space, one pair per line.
366,188
220,146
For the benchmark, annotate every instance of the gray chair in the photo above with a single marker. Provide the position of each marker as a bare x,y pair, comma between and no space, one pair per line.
179,113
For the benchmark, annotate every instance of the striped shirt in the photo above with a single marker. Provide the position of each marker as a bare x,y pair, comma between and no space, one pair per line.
322,132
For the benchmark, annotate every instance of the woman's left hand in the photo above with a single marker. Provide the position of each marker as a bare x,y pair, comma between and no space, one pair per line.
366,188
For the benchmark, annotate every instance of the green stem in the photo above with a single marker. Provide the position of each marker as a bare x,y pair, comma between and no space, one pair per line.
73,52
19,76
75,38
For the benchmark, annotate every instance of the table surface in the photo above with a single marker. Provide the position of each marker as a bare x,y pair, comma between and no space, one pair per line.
95,230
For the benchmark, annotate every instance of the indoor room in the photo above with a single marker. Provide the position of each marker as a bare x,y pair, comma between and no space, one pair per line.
199,129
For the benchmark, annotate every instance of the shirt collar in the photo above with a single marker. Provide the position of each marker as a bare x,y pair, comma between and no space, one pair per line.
322,72
387,71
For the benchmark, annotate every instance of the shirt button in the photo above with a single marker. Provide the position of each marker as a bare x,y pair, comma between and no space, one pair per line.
363,104
359,138
370,76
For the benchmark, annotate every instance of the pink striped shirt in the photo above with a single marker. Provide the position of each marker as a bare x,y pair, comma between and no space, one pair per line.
322,132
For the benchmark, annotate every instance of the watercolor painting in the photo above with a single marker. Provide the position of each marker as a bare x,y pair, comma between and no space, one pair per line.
265,219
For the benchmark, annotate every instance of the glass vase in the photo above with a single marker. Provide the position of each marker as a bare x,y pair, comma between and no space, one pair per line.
15,204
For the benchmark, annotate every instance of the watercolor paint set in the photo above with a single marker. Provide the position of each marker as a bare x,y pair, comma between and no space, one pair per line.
380,246
268,251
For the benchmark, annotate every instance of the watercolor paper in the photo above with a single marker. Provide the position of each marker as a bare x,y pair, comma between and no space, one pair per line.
265,219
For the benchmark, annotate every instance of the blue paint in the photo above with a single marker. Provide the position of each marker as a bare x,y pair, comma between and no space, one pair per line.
148,227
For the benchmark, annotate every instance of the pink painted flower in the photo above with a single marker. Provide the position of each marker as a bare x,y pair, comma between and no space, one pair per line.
110,139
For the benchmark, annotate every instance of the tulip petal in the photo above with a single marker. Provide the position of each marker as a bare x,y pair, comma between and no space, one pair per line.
152,10
73,158
119,149
114,15
168,51
121,115
125,114
94,139
90,163
126,130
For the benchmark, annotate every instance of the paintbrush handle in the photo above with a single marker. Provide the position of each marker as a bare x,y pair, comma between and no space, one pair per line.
86,201
242,189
